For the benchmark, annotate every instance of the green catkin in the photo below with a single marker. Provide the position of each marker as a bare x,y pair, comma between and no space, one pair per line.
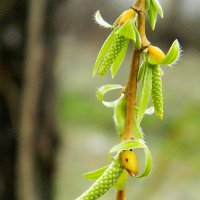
157,97
105,182
113,51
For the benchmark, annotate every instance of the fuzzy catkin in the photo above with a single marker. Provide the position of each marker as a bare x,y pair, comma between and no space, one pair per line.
157,97
113,51
104,183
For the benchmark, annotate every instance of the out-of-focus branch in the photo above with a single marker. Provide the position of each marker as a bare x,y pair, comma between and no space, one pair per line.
26,174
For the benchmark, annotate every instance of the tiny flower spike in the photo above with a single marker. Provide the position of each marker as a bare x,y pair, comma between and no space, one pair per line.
105,182
113,51
157,97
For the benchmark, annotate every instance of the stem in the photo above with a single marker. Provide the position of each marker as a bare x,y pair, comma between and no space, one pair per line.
130,94
140,7
121,195
131,87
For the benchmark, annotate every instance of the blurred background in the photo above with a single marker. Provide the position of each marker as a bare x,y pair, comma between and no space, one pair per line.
53,129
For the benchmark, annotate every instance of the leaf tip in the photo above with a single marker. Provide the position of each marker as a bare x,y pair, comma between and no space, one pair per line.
100,21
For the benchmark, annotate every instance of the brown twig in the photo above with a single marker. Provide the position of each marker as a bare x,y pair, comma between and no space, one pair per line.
121,195
131,87
130,94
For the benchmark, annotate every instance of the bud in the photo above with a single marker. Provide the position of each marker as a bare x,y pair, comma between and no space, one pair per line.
113,51
157,97
155,55
104,183
129,161
124,17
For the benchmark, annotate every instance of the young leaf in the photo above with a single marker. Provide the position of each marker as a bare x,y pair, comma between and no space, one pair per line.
106,88
118,61
147,4
103,90
138,134
120,114
158,7
137,41
127,30
152,13
121,182
103,51
94,175
148,163
144,92
128,144
173,54
141,71
99,20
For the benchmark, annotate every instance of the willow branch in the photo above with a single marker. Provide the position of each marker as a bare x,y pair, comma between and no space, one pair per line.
121,195
131,87
130,94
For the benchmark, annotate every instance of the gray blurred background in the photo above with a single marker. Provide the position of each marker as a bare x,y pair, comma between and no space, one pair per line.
53,129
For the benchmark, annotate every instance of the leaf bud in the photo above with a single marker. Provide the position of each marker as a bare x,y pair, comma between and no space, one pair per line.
155,55
129,162
124,17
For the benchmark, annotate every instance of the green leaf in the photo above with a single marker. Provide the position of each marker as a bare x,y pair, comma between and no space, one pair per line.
147,4
103,51
152,13
127,30
158,7
121,181
103,90
137,130
137,41
120,114
173,54
144,92
141,71
118,61
148,163
129,144
99,20
93,175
